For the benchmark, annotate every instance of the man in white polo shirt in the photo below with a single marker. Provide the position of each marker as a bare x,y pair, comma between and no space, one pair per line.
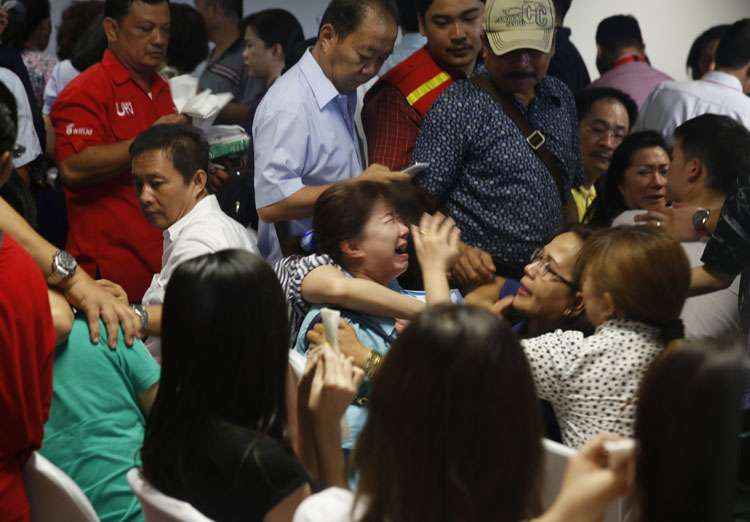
722,91
170,163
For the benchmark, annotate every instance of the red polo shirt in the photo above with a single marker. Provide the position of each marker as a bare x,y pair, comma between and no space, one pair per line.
108,234
27,347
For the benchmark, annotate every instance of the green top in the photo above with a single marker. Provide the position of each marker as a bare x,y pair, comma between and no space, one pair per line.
95,428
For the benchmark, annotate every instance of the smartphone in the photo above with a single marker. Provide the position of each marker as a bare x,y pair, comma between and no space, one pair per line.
415,169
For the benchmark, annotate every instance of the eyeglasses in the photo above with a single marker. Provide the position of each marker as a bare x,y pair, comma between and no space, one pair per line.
601,130
544,266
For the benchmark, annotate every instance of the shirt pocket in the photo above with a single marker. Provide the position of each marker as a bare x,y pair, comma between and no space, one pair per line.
127,118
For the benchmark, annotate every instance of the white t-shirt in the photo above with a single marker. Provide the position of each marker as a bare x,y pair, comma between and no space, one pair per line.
61,75
204,230
27,137
330,505
709,315
673,103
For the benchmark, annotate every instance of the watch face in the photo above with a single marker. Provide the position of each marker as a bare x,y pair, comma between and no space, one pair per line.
66,262
700,218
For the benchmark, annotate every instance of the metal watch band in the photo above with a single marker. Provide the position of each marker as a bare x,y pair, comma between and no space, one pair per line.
142,314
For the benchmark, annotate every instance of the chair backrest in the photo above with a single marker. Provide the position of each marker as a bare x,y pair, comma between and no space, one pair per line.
158,507
53,495
555,461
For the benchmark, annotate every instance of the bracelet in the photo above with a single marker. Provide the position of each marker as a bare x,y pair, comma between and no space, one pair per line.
372,365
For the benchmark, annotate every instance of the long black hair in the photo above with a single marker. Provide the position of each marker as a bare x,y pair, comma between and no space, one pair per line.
609,202
693,63
439,443
689,418
225,341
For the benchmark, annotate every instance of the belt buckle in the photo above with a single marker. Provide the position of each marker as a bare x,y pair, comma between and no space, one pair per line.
536,139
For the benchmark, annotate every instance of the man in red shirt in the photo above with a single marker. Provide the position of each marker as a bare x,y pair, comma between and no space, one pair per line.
27,343
395,106
96,118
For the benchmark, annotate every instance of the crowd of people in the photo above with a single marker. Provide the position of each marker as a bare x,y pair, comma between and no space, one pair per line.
516,253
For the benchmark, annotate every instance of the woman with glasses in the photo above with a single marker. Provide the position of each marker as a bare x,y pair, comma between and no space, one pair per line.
633,283
637,179
546,298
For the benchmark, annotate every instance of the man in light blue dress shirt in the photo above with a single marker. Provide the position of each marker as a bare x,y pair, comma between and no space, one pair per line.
304,133
411,40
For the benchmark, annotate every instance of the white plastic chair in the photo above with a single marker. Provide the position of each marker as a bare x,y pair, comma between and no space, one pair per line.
158,507
555,461
53,495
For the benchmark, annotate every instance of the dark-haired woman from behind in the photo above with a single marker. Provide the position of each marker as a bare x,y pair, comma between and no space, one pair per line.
216,436
690,460
636,179
188,40
454,433
702,55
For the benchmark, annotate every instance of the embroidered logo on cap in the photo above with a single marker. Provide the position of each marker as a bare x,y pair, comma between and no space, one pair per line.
530,13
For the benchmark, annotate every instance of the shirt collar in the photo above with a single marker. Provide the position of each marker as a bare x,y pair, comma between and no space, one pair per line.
322,87
586,192
120,74
628,324
545,92
455,74
722,78
205,206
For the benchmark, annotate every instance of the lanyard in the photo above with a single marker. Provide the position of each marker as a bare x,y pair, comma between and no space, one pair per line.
629,59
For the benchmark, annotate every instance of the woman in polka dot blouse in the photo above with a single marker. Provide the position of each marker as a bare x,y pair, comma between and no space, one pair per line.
634,282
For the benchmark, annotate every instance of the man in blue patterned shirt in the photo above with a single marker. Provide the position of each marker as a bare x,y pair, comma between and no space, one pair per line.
506,198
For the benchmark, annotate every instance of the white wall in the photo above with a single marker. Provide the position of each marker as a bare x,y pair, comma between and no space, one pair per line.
669,26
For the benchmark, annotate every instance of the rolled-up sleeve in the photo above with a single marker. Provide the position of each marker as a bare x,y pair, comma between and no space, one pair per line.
441,144
78,118
280,148
728,250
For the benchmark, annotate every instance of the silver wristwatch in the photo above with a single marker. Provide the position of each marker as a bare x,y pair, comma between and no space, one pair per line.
142,314
700,221
63,267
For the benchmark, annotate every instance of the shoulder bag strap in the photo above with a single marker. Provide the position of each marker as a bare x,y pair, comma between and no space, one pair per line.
534,138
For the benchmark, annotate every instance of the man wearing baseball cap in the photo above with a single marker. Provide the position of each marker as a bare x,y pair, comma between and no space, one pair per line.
503,147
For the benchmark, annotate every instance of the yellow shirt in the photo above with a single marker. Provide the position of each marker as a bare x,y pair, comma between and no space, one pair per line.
583,197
